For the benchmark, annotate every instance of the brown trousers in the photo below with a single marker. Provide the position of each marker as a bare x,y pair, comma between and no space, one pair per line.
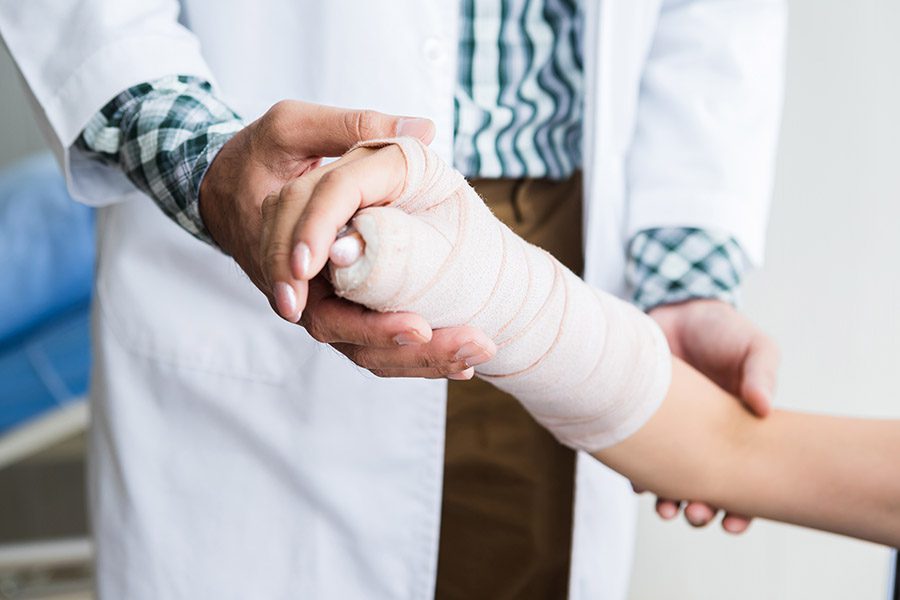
506,522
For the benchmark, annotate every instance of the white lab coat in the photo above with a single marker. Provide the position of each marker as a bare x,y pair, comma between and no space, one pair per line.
233,457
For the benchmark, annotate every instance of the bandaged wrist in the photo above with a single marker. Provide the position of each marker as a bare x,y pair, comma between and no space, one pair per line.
587,365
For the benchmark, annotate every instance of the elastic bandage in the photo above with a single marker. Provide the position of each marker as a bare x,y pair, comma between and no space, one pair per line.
588,366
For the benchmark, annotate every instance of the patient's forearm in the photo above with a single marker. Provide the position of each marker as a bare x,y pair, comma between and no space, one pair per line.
586,365
831,473
594,370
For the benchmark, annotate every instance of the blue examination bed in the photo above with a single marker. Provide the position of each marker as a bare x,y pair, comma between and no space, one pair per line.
46,272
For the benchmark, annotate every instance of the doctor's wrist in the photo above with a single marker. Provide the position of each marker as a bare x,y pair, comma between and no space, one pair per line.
673,265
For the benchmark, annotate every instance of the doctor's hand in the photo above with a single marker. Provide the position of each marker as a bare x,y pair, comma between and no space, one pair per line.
271,154
386,344
714,338
288,141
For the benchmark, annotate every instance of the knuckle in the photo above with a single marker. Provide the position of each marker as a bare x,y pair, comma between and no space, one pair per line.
276,256
333,178
316,332
364,359
295,190
366,124
270,206
297,186
320,331
291,188
272,124
279,113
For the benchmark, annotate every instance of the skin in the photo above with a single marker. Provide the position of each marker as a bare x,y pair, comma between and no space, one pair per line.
730,350
830,473
244,199
312,210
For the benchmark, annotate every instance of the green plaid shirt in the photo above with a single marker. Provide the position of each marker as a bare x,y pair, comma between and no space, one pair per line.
676,264
165,134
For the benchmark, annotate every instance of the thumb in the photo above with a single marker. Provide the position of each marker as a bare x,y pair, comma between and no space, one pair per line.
759,375
319,130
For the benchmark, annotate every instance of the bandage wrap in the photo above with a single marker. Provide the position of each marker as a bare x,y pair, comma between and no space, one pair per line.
588,366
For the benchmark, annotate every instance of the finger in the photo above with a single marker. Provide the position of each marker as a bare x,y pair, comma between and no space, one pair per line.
318,130
287,295
456,370
451,350
463,375
418,373
384,363
699,514
280,213
347,248
335,320
735,523
375,178
759,375
667,509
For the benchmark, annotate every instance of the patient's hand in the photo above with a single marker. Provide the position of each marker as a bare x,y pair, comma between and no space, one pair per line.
278,155
718,341
299,224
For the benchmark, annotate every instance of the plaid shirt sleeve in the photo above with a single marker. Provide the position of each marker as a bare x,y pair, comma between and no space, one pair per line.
164,135
670,265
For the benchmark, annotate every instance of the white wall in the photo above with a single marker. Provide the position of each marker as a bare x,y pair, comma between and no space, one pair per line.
829,294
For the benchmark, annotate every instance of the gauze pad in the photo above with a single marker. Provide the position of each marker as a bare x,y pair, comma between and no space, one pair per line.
588,366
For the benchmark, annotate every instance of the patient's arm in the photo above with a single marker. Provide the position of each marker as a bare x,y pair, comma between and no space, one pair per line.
832,473
596,372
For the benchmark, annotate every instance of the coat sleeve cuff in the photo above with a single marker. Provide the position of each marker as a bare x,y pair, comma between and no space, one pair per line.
111,70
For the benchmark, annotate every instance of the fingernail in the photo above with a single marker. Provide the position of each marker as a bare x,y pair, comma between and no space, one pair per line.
472,354
734,525
300,260
667,511
697,516
462,375
286,301
413,127
408,338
